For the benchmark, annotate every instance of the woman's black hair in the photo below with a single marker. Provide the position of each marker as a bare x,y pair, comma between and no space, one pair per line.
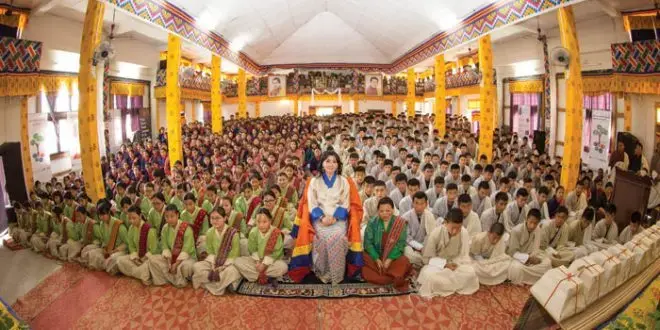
331,153
385,201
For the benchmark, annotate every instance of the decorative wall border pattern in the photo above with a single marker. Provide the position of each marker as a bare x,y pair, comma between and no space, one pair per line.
480,23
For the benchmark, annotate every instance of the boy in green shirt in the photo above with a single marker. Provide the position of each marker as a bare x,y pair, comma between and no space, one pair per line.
175,264
123,215
236,220
196,217
142,241
113,242
71,246
43,227
57,225
216,272
243,199
145,200
266,248
155,214
69,205
211,199
177,199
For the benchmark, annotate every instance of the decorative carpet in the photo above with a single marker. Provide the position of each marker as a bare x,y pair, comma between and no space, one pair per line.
9,319
311,287
641,313
76,298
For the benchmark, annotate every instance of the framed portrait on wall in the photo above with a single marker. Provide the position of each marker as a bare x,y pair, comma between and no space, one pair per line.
277,86
373,84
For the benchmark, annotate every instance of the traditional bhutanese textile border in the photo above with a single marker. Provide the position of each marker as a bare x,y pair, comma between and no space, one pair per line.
482,22
19,56
636,57
175,20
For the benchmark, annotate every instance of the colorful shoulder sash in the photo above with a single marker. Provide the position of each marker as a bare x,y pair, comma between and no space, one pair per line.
238,218
178,241
144,237
199,222
278,217
113,236
253,206
268,250
272,240
89,232
393,237
225,247
65,233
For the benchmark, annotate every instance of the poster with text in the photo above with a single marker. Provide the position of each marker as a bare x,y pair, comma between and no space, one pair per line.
74,149
524,119
599,145
40,157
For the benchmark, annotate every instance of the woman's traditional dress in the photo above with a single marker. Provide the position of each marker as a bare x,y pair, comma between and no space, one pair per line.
325,248
216,272
142,242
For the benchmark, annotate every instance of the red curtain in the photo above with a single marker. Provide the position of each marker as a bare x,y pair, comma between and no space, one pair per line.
533,100
136,105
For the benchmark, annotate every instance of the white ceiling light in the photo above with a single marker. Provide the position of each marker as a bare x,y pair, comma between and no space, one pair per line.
207,20
238,43
445,19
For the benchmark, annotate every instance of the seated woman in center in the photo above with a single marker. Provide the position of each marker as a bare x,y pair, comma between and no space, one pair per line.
327,227
384,241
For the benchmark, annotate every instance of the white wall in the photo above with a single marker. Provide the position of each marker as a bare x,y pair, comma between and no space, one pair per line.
277,108
643,120
523,56
61,45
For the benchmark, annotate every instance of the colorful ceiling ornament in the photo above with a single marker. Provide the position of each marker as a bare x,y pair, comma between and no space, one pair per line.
480,23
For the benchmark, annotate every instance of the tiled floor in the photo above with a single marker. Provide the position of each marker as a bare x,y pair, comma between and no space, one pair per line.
21,271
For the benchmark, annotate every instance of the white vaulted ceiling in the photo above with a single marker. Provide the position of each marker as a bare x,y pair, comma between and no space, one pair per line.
316,31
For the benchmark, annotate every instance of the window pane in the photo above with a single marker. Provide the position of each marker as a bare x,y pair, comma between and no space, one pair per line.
62,101
51,139
66,135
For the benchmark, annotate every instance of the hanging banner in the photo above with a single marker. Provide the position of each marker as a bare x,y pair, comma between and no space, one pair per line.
74,148
144,118
37,128
524,120
600,138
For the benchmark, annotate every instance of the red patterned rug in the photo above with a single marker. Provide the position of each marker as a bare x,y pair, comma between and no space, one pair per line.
75,298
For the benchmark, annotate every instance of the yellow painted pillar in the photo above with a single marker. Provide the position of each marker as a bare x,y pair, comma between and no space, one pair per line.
394,112
487,93
440,94
242,96
295,107
25,146
410,98
574,93
356,104
173,99
627,113
257,109
216,95
88,94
